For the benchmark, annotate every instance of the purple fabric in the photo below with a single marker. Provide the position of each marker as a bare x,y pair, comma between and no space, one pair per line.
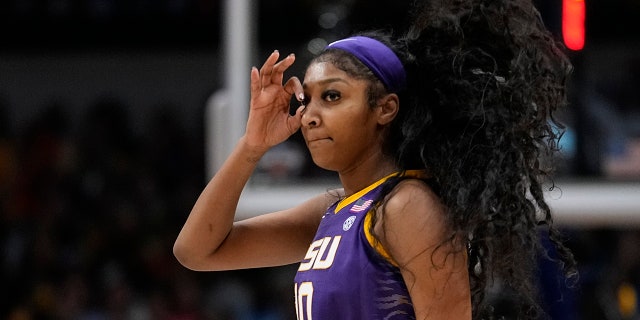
379,58
342,276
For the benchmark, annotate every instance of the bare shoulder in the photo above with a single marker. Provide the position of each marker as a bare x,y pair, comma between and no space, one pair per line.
412,220
414,199
415,232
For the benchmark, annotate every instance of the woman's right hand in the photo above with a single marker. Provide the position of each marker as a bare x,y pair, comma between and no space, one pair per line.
269,120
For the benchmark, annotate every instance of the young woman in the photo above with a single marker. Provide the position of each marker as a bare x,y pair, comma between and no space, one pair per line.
436,137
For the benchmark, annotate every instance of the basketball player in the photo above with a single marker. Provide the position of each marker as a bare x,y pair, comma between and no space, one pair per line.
436,137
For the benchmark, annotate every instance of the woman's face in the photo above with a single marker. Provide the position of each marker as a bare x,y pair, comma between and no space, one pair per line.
339,126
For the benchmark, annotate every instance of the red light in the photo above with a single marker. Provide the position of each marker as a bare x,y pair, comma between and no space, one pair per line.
573,14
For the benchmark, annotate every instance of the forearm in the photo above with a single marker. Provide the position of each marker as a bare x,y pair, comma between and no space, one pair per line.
212,216
211,219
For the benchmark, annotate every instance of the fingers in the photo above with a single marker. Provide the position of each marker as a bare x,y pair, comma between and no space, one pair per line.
280,67
255,81
267,68
294,87
272,71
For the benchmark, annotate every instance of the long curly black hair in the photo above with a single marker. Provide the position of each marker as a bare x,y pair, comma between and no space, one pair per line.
484,80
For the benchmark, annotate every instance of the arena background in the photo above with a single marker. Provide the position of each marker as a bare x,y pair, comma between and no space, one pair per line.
112,118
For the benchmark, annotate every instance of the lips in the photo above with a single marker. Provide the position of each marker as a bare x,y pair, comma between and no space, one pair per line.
317,139
312,136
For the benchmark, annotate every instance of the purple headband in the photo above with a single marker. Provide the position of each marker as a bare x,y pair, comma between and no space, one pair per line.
379,58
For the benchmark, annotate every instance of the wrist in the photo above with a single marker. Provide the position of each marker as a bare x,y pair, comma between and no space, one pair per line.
253,153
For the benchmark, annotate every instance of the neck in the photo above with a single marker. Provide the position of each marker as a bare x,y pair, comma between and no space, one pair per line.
371,170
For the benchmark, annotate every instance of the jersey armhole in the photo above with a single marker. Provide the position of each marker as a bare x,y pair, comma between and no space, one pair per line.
373,242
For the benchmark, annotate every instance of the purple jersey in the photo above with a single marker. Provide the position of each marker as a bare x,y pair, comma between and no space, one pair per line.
343,276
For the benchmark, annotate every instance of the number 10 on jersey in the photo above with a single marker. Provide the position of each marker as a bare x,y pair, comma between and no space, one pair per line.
304,297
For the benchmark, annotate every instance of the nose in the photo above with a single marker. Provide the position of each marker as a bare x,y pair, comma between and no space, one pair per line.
310,117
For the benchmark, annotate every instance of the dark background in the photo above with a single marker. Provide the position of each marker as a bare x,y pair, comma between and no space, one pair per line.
102,153
79,24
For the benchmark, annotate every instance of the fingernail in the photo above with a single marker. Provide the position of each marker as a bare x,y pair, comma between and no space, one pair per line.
301,96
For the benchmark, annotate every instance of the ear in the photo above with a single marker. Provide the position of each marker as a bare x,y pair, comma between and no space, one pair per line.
388,105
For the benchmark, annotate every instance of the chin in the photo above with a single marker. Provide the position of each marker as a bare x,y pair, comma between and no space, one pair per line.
323,163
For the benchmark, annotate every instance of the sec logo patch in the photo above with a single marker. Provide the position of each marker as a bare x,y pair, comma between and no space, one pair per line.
348,223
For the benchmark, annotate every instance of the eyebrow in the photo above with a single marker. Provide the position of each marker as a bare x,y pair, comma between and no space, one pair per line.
327,81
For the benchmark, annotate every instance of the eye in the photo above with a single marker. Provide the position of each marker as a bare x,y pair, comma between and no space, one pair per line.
331,95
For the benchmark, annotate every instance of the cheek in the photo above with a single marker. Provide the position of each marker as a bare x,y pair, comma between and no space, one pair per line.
358,128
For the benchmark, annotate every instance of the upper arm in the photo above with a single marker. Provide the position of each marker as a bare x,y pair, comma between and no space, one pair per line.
414,231
270,239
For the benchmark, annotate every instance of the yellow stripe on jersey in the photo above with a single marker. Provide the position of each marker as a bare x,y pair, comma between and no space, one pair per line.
350,199
376,245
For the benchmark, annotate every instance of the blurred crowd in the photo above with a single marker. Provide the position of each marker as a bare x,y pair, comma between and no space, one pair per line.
89,212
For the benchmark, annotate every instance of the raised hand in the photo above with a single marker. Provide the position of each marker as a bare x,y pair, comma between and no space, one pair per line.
269,120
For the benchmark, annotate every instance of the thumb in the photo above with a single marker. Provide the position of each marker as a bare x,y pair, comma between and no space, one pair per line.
294,122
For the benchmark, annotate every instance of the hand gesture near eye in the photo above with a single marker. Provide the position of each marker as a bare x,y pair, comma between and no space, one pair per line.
269,120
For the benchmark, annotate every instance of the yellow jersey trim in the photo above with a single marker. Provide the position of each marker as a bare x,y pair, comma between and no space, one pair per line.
376,245
350,199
